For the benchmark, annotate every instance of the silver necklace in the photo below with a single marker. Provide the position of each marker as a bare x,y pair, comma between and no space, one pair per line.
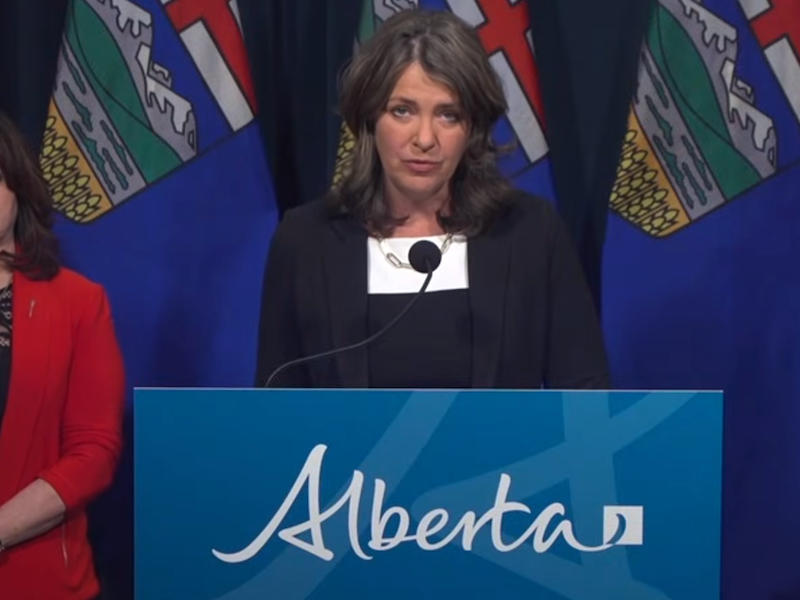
399,264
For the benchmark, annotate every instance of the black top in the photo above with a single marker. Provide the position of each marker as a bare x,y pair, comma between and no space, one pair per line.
430,348
5,348
532,318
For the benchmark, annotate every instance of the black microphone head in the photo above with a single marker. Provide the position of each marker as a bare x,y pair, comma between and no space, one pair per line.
424,256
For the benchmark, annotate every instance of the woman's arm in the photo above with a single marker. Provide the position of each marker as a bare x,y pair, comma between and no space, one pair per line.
576,353
278,334
33,511
91,431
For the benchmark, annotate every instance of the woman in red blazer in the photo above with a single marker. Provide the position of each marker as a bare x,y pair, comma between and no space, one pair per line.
61,395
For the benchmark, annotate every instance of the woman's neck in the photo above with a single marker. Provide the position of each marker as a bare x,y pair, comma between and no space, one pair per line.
418,227
421,218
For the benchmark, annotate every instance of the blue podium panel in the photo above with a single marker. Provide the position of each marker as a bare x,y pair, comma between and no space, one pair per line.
332,495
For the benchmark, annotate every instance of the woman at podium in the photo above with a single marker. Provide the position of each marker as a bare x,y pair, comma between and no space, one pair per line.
506,306
61,394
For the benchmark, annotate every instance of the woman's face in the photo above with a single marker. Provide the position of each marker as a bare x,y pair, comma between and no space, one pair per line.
420,137
8,215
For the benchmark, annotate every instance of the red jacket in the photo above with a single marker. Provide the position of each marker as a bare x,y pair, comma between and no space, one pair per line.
63,423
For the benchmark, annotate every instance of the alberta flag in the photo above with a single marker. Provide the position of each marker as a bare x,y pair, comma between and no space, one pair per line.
701,268
156,165
504,30
155,162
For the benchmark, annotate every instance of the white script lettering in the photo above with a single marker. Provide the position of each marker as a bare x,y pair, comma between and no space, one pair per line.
431,524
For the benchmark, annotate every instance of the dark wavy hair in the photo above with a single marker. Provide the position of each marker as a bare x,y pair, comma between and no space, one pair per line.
450,52
36,255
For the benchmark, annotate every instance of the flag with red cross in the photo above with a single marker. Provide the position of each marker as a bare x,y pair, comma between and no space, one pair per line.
701,273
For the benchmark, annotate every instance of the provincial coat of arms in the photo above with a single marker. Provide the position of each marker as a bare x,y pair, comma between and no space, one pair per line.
116,125
696,137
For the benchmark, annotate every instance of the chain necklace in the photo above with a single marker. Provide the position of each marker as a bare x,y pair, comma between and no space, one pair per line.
399,264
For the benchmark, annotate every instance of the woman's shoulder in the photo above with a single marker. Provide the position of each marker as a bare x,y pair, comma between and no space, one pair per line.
315,213
69,294
313,220
76,288
69,278
302,221
529,215
531,206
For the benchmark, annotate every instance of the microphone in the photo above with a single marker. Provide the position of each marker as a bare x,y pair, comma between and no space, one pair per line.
424,257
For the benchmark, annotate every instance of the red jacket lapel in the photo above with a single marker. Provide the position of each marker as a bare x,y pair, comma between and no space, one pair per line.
30,345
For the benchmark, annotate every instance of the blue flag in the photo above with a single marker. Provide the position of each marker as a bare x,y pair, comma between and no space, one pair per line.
158,172
157,169
701,268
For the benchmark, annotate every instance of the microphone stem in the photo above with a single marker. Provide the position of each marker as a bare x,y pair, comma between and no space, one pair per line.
365,342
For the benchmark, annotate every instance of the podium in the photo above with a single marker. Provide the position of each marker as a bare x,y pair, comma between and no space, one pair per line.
245,494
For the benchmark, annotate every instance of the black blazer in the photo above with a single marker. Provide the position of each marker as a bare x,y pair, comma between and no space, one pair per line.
534,322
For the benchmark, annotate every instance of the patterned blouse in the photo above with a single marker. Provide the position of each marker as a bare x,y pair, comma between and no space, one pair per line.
5,346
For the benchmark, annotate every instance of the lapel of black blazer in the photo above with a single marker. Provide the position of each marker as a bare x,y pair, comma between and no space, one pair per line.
489,259
346,283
